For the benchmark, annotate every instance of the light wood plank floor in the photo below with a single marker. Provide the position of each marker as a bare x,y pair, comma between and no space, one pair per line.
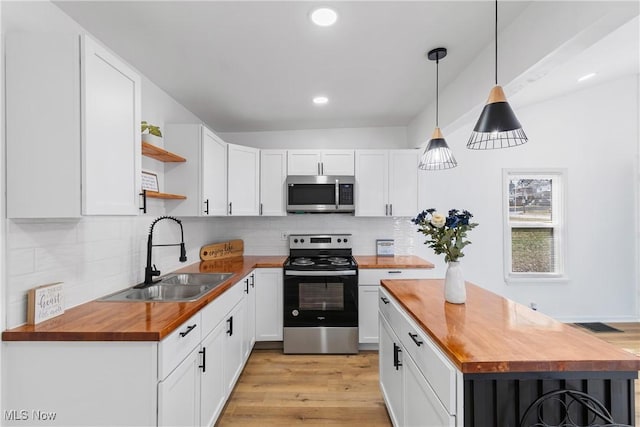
289,390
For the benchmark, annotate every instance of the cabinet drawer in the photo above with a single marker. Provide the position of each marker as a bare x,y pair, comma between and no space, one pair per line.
175,347
431,362
389,309
217,310
373,276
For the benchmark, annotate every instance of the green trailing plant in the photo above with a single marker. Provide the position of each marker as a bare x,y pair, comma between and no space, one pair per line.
151,129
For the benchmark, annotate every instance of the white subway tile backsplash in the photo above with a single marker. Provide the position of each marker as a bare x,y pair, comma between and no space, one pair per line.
21,261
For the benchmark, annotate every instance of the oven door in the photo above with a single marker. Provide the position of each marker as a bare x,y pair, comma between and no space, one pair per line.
320,298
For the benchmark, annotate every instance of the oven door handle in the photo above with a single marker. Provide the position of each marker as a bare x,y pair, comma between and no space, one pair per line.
321,273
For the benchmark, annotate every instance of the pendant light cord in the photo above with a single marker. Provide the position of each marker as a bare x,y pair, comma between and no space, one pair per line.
437,62
496,43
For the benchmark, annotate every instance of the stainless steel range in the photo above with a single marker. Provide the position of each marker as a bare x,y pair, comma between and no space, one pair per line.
320,295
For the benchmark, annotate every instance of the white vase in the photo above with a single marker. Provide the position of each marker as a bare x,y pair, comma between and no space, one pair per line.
151,139
454,289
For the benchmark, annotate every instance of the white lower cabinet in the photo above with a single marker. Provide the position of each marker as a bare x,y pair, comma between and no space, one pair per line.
213,393
368,286
179,394
419,384
268,293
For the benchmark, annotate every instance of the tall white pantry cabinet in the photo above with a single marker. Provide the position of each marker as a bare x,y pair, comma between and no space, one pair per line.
73,128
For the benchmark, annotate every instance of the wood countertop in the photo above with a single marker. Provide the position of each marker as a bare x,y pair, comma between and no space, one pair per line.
398,261
491,334
137,321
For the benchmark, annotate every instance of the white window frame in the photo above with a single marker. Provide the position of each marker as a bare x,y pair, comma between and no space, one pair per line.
558,223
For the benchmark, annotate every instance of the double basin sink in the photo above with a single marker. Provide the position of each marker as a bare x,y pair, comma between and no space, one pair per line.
179,287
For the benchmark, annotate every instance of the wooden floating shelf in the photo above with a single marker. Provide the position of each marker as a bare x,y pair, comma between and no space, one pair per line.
161,154
156,195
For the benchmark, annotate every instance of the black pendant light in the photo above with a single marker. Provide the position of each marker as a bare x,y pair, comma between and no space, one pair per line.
497,126
437,155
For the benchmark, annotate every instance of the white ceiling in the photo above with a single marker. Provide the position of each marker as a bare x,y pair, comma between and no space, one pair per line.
249,66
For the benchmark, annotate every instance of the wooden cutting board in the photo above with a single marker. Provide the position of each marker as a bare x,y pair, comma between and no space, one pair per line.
232,248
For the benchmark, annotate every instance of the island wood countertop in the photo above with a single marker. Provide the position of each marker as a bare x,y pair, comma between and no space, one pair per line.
398,261
491,334
137,321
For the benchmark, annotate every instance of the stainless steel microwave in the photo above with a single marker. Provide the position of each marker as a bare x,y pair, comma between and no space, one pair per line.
320,194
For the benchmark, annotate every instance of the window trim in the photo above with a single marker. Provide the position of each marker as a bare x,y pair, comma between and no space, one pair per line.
559,225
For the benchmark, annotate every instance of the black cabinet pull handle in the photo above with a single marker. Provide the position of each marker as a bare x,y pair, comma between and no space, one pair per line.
394,272
230,322
203,352
396,356
385,300
230,208
206,210
189,329
253,280
260,208
415,339
246,285
144,201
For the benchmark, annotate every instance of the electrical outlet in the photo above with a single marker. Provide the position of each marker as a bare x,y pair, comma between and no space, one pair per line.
533,306
283,235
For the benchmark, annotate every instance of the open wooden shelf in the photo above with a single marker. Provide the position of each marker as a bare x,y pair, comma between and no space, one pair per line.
156,195
161,154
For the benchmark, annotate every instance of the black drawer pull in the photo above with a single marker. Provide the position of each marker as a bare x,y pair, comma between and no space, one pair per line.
189,329
394,272
396,356
385,300
415,339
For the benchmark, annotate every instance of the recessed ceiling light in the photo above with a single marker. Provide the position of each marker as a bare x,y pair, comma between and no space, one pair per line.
320,100
324,17
586,77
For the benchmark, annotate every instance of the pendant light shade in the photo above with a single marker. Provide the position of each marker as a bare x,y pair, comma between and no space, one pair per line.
497,126
437,155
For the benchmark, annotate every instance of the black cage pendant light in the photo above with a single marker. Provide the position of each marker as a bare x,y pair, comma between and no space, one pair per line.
497,126
437,155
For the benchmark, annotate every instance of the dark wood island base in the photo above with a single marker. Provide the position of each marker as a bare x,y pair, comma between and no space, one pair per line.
493,362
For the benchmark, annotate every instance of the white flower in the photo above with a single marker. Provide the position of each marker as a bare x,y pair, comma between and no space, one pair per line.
438,220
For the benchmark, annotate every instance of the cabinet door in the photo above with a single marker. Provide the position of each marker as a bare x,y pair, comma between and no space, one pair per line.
337,162
250,316
233,354
212,383
273,174
403,182
42,80
214,174
421,405
111,147
368,314
390,375
269,282
303,162
179,394
243,184
372,182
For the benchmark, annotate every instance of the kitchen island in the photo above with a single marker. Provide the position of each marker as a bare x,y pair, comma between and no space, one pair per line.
486,361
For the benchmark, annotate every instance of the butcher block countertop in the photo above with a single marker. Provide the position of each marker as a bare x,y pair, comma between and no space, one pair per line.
398,261
137,321
152,321
491,334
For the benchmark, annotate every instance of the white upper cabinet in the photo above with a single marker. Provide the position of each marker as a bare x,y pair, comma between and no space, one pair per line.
111,147
243,180
320,162
203,177
73,135
386,182
273,174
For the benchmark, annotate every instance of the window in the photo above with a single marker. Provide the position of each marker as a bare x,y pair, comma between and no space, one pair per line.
534,238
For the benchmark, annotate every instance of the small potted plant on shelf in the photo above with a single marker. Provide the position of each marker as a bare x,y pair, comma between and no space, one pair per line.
150,133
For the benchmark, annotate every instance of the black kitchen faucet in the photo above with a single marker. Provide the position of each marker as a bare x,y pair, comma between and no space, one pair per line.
151,271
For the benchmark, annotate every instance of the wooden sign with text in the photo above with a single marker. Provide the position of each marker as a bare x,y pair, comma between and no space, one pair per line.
44,302
230,249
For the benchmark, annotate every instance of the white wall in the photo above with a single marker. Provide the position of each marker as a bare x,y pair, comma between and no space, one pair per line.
375,137
593,134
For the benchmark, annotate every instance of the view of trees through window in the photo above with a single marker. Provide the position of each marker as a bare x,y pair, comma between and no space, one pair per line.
532,247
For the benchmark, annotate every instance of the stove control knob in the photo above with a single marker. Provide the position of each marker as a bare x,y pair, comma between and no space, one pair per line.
345,240
340,240
301,240
295,313
295,240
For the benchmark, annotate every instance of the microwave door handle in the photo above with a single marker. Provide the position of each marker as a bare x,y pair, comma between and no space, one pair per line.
337,193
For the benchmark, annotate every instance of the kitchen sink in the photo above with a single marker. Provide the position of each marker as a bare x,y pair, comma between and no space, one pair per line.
173,288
